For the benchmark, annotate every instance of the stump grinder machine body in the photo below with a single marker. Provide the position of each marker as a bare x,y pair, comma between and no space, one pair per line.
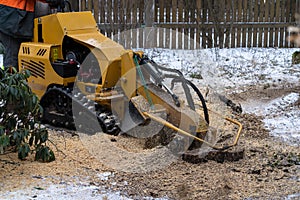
85,80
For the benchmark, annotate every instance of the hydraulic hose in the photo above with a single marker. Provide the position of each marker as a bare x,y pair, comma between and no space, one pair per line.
180,78
205,110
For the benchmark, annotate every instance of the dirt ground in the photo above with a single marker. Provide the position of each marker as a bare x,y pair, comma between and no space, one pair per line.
269,169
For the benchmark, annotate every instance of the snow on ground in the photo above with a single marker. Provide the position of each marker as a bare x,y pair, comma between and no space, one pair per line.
65,190
281,117
232,68
235,70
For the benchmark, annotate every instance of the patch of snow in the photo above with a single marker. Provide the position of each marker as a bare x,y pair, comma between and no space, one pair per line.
293,196
67,192
105,176
281,117
284,124
63,192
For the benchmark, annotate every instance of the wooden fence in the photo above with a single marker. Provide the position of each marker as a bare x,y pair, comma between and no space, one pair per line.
190,24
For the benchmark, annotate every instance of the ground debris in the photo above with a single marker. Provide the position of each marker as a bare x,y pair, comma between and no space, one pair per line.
234,154
236,107
253,126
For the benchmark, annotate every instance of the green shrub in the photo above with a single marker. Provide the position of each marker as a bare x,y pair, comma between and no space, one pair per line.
20,111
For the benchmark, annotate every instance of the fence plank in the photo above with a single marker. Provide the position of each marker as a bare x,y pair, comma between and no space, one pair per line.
288,12
222,23
260,19
234,30
115,6
89,5
128,18
96,11
180,19
101,15
161,20
174,20
277,16
266,19
134,19
255,29
102,12
155,31
201,31
282,30
294,10
192,21
249,20
168,4
245,19
239,18
121,22
156,11
272,14
210,19
214,18
186,27
228,33
141,19
75,5
83,5
198,19
228,21
109,17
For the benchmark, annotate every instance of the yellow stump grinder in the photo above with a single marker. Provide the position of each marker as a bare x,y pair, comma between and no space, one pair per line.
88,82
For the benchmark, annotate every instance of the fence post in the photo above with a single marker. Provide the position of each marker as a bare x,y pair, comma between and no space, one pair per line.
149,12
149,37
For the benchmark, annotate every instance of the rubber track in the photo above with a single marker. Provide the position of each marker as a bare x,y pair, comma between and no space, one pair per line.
77,112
